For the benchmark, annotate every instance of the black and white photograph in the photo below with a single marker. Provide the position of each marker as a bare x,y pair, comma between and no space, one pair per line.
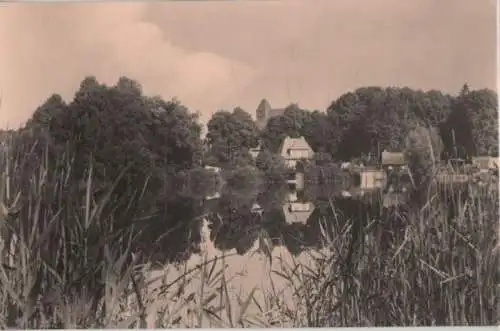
249,164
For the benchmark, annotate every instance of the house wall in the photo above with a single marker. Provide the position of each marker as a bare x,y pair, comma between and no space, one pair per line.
290,163
372,179
300,154
254,153
300,207
297,212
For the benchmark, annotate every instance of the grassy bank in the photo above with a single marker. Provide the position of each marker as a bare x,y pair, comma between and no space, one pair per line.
432,265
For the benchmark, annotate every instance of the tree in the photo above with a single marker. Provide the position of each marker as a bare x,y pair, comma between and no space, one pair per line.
112,129
472,125
372,119
322,159
318,132
276,130
273,166
230,136
295,122
49,109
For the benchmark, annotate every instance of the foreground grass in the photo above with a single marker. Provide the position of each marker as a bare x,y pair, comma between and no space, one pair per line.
64,264
435,265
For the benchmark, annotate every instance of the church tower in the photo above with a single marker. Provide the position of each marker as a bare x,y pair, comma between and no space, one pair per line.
262,113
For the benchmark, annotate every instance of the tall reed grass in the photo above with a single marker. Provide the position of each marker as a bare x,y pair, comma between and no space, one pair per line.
66,263
428,266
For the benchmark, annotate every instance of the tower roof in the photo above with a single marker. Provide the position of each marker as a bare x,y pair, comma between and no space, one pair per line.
264,104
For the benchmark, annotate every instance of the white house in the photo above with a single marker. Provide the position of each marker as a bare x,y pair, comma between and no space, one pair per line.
486,163
298,212
295,149
254,152
256,208
215,169
216,195
368,178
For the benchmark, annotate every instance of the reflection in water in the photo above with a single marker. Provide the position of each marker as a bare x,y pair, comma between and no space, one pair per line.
292,218
240,218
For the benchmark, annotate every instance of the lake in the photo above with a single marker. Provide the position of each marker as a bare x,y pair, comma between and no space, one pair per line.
260,234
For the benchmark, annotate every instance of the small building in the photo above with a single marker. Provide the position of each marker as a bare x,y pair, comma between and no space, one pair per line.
345,165
298,212
485,163
257,209
254,152
394,160
214,169
214,196
295,149
368,178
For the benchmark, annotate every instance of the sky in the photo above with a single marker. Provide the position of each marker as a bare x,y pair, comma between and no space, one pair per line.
221,54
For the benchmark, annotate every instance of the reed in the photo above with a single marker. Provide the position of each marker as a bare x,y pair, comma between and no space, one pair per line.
66,262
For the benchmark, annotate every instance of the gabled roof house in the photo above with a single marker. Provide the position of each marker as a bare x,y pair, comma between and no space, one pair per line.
294,149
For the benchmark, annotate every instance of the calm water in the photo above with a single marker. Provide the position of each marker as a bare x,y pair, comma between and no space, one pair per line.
233,223
260,232
237,217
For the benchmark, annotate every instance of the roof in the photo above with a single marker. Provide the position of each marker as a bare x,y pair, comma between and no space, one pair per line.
294,143
393,158
486,161
264,104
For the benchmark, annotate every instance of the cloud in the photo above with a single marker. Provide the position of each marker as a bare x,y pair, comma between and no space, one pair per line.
222,54
50,48
313,51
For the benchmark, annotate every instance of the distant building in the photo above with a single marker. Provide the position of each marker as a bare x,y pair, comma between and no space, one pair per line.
485,163
257,209
295,149
298,212
394,160
215,169
254,152
368,178
264,112
214,196
345,165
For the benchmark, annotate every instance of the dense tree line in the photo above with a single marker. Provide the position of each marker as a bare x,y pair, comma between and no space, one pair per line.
362,123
